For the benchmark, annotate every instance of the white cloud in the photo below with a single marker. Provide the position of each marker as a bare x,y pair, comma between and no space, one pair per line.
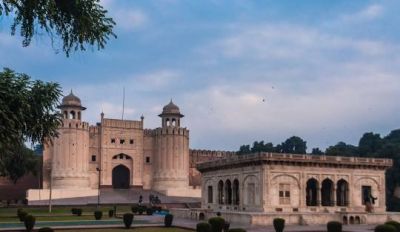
368,13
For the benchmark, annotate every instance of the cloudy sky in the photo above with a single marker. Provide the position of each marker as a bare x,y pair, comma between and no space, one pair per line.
240,70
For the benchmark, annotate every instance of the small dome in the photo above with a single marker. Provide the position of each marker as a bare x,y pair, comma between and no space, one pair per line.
171,108
71,100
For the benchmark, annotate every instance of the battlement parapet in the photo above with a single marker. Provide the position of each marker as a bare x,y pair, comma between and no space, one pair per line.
94,129
74,124
282,158
171,131
125,124
149,132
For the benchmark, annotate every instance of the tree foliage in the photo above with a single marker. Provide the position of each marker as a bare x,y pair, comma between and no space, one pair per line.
77,23
342,149
293,144
27,113
19,162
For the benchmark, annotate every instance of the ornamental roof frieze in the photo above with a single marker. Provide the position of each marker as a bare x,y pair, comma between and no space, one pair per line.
291,159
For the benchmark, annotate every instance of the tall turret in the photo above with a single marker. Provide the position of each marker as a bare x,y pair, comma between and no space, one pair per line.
70,150
171,164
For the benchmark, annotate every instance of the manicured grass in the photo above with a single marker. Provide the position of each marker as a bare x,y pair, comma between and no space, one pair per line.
145,229
54,218
64,210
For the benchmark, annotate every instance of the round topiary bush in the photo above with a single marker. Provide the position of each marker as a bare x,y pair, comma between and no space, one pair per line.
334,226
98,214
236,230
111,213
128,219
385,228
203,227
395,224
29,222
46,229
217,224
279,224
168,220
142,209
22,215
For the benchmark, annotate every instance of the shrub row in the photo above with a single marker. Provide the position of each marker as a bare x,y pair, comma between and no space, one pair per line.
76,211
216,224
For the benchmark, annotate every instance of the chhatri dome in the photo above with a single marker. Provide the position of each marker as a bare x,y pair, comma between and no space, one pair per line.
71,101
171,109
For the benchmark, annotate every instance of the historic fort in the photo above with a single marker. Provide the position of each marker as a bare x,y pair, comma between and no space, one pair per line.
252,188
120,154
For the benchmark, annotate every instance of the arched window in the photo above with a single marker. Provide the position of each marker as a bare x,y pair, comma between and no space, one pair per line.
228,192
65,114
173,122
327,193
236,196
312,192
342,193
167,122
72,114
79,115
221,192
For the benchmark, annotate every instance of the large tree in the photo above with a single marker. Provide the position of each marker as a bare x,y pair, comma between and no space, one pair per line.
78,23
294,145
342,149
27,113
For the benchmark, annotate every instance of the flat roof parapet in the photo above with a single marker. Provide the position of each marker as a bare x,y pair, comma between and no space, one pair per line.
283,158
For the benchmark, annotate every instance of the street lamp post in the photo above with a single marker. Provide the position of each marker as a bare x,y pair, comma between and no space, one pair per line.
50,168
98,188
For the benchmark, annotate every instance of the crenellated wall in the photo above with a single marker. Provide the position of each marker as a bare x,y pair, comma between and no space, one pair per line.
70,155
171,162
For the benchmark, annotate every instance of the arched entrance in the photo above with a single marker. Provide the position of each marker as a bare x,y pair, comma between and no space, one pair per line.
120,177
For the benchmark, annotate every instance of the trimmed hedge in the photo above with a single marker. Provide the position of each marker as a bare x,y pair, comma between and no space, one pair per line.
203,227
385,228
111,213
21,215
279,224
98,214
334,226
395,224
128,219
76,211
217,224
168,220
29,222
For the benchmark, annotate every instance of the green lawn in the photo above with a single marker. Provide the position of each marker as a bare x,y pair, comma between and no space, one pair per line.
62,210
146,229
53,218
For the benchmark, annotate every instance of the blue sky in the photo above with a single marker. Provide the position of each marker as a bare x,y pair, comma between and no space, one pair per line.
328,70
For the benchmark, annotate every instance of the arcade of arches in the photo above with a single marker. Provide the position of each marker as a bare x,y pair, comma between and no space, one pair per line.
263,183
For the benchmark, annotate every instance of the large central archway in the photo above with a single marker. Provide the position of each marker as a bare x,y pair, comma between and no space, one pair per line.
120,177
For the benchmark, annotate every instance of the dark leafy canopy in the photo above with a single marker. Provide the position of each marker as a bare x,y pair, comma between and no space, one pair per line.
342,149
293,144
77,23
19,162
27,113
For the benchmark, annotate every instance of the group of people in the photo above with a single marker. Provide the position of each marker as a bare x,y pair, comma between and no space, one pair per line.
153,199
